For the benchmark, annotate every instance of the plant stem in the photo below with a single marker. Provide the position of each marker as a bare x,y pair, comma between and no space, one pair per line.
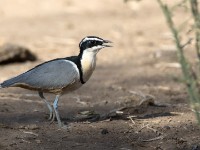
191,82
195,13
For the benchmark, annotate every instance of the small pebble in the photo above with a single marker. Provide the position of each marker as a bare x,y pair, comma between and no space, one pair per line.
166,127
104,131
33,127
38,141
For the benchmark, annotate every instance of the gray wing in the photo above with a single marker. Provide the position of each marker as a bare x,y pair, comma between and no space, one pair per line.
50,75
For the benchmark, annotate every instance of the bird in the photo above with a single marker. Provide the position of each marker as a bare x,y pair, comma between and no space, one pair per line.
62,75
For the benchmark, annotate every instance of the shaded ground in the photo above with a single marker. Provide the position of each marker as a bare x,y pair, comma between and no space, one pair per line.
136,64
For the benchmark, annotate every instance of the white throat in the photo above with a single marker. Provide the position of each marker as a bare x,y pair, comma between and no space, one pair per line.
88,63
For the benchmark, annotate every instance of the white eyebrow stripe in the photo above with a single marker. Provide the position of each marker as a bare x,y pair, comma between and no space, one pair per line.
88,38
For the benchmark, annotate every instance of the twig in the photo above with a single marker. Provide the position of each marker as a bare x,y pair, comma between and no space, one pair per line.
154,139
154,130
187,43
27,132
144,126
130,117
178,4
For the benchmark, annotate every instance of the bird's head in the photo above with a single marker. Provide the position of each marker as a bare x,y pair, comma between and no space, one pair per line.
93,44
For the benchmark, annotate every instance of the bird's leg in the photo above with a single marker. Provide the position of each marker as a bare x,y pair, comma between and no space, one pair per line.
55,106
51,113
53,118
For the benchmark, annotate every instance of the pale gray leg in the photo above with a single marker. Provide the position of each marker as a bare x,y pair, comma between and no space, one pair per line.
51,113
55,106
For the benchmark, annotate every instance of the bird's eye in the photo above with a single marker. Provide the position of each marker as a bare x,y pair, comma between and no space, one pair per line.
93,42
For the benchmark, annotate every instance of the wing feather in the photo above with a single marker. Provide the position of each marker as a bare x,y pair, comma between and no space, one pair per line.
50,75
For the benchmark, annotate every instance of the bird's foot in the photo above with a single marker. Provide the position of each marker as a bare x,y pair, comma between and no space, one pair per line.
63,126
52,119
51,116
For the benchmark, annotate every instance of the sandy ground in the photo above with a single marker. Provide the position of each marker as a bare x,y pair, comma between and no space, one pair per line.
138,65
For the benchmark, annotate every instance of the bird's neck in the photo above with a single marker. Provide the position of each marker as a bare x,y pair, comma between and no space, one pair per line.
88,63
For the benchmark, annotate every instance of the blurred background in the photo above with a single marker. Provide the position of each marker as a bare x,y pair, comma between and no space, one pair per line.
141,70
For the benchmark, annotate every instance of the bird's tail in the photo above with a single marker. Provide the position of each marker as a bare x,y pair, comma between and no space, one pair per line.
7,83
10,82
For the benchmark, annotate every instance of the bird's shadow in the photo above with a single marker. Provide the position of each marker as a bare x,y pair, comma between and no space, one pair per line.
134,112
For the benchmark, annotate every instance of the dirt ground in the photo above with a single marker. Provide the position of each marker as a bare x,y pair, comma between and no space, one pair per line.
139,77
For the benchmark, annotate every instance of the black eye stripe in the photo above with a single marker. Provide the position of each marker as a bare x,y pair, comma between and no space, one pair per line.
90,42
